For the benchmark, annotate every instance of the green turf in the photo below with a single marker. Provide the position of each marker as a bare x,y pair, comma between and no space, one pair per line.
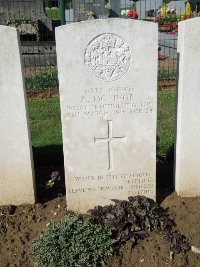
166,122
46,80
46,126
46,130
45,122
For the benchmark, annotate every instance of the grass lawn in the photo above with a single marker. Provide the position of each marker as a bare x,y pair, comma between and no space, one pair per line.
46,130
46,127
166,122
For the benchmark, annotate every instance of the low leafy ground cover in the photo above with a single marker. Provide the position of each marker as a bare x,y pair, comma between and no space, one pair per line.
164,74
47,79
72,241
75,241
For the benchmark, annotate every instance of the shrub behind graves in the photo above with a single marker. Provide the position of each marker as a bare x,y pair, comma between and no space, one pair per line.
72,242
48,79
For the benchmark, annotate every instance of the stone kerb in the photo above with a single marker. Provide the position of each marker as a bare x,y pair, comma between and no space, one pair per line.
108,86
17,184
187,160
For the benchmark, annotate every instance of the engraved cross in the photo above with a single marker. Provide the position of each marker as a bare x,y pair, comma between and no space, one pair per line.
109,140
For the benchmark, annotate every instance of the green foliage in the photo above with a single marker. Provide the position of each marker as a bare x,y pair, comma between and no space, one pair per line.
18,18
53,13
107,11
48,79
166,122
169,18
45,122
164,74
72,242
46,132
136,218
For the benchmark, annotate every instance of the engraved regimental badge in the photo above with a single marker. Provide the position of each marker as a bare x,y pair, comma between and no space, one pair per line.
107,57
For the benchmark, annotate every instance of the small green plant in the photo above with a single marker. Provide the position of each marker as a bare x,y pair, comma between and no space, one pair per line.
72,242
53,13
17,18
48,79
164,74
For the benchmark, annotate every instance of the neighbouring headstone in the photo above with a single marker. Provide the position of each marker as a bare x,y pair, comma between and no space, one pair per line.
108,83
16,165
187,166
82,7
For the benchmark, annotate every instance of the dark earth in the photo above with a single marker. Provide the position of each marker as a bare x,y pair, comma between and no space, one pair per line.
20,225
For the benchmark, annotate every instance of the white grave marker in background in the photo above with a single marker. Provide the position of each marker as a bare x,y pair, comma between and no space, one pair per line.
108,84
187,167
16,166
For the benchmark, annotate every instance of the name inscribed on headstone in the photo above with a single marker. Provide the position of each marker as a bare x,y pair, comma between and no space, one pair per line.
111,101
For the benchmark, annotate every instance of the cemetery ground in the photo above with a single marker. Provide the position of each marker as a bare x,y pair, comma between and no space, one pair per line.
20,225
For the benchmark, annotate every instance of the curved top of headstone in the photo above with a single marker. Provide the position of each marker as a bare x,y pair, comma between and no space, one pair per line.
190,21
7,28
109,22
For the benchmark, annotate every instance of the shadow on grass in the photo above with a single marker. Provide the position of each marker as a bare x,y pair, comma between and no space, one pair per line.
165,174
48,155
47,161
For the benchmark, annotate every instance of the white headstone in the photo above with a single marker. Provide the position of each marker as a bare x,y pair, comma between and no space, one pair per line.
108,82
187,171
16,167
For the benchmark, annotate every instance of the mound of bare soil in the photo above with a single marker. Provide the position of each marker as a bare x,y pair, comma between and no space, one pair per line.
19,225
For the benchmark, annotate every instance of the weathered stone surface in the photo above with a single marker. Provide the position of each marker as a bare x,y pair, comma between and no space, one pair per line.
16,166
108,83
187,171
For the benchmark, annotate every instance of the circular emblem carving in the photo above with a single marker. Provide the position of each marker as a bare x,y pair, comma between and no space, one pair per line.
108,57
